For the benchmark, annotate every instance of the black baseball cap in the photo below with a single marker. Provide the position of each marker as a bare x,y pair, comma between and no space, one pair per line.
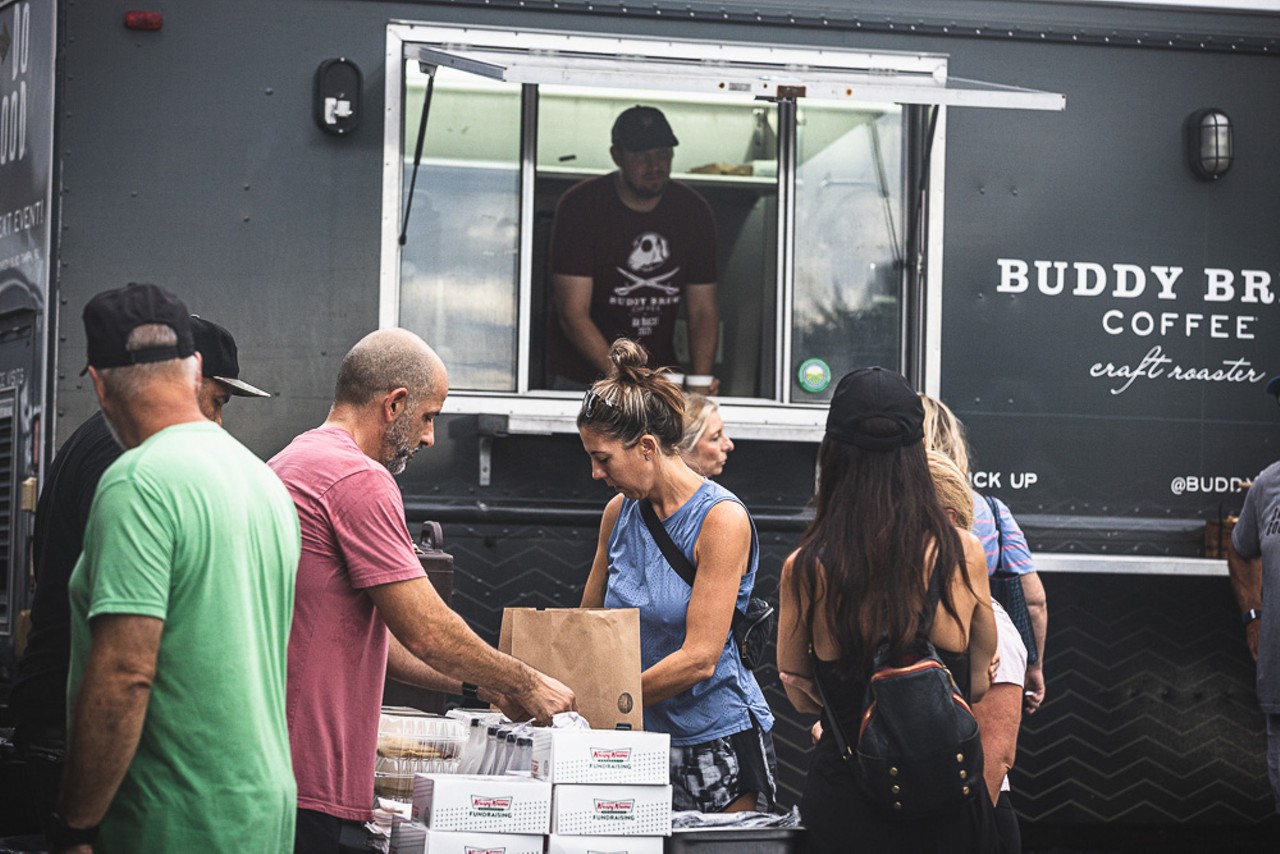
1273,387
111,315
642,128
218,357
880,394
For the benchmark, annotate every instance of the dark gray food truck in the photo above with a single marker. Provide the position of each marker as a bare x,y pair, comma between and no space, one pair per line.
1058,217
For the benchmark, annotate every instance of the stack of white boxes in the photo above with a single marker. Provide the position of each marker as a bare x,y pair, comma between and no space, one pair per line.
467,813
610,789
595,790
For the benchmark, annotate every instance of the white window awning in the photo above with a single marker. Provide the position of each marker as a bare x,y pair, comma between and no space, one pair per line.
727,69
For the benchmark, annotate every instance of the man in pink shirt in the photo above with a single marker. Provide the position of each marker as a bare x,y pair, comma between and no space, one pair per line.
359,576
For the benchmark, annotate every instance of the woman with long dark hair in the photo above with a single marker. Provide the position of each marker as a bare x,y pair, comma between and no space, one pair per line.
694,683
881,559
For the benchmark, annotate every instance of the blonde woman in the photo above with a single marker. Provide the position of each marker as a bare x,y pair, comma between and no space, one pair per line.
999,714
705,445
1001,536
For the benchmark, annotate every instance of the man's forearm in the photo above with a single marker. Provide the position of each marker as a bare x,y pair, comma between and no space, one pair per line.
109,713
1246,578
1037,610
572,297
404,666
450,646
1039,628
586,339
704,333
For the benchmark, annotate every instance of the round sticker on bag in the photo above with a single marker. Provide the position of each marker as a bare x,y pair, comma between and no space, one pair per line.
814,375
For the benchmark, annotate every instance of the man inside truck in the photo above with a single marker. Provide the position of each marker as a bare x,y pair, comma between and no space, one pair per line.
360,577
1253,557
38,702
627,248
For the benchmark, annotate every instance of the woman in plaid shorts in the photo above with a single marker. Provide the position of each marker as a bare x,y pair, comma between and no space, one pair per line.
695,685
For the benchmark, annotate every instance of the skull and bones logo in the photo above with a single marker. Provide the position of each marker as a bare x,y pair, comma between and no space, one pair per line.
648,251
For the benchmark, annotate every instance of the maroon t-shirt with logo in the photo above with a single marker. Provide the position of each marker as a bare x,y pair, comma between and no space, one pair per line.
639,263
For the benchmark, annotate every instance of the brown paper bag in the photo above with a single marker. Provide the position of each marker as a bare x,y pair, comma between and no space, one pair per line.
595,651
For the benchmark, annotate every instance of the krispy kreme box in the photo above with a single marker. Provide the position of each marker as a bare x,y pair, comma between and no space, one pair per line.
594,810
500,803
416,839
557,844
609,756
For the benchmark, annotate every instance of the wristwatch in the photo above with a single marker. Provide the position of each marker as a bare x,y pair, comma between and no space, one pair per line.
1249,616
64,836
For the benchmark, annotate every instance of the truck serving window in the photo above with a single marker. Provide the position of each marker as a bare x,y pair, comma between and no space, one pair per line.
811,161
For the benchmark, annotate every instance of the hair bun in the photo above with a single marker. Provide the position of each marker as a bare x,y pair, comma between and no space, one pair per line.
630,359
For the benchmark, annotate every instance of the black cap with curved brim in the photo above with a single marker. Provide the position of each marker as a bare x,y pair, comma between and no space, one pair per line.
112,315
218,356
642,128
875,393
1273,387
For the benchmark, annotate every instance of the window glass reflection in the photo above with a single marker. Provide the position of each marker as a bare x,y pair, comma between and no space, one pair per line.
460,263
848,244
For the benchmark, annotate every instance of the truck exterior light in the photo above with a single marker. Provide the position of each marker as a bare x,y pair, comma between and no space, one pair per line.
1209,147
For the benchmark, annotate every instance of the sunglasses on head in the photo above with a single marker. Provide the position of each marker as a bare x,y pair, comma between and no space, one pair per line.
591,403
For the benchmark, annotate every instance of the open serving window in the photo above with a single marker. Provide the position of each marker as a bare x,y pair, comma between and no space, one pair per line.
823,170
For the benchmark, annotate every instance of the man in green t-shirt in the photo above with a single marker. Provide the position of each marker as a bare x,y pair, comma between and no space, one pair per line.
180,611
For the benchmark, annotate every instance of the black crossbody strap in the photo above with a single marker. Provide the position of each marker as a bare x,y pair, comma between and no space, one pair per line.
671,551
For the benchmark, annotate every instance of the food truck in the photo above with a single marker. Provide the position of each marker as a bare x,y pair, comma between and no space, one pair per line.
1057,217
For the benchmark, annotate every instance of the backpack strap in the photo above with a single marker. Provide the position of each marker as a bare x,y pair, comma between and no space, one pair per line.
932,596
829,715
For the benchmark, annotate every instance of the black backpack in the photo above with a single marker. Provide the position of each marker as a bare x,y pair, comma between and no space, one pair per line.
918,751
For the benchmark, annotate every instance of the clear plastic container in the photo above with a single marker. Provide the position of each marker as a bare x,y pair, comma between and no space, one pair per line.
411,742
487,716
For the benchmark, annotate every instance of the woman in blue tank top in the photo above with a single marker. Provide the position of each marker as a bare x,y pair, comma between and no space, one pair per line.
694,683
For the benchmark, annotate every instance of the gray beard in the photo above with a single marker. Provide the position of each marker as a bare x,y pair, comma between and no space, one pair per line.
396,465
397,445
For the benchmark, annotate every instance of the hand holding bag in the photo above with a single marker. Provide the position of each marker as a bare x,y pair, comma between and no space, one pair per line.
595,651
751,628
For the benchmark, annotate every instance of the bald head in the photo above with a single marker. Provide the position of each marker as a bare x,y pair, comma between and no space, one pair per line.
386,360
